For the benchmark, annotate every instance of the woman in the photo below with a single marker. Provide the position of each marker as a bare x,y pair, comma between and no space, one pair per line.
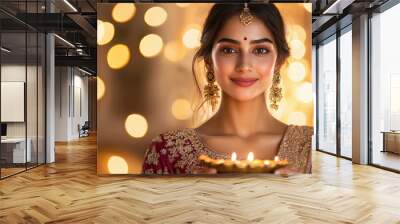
243,48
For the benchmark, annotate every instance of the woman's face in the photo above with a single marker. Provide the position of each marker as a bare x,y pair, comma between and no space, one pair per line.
243,58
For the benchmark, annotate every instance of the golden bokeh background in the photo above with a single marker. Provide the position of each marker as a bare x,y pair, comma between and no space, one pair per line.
145,83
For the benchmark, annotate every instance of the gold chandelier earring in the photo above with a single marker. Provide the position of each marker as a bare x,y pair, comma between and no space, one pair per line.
211,93
275,94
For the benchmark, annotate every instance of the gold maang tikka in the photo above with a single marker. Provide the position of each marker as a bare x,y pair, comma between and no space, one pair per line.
245,16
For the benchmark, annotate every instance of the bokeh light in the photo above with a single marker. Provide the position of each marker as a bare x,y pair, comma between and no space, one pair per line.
123,12
155,16
100,30
136,125
105,32
297,118
101,88
191,38
296,71
297,49
151,45
296,32
117,165
174,51
304,92
118,56
181,109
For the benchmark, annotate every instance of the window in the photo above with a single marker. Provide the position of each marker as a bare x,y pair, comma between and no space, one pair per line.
346,93
385,89
327,96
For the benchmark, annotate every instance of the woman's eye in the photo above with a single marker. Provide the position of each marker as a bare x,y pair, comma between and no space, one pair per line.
228,50
261,51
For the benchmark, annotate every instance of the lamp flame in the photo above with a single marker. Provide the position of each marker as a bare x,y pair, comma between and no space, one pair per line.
234,156
250,156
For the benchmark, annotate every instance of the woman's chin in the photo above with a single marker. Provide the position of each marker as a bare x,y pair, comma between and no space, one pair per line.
243,96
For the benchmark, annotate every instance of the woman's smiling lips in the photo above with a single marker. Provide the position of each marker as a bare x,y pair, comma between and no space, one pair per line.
244,82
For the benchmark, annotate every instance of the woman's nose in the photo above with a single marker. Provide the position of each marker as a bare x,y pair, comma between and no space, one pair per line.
244,63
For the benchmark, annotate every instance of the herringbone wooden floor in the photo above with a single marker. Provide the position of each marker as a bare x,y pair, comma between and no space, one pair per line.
69,191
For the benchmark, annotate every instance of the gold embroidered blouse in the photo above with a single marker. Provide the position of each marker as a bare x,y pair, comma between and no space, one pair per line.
177,152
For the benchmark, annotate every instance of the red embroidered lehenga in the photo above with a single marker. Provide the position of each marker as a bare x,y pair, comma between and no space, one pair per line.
177,152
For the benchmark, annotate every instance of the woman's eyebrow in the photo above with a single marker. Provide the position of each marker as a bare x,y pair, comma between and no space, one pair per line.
261,41
229,40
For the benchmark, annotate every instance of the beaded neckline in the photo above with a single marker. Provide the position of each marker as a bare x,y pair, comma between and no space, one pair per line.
225,155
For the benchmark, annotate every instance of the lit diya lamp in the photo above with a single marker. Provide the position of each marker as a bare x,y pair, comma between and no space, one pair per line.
250,165
230,164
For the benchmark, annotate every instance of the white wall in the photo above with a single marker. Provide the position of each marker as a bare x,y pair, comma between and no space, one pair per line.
16,73
61,103
71,93
80,109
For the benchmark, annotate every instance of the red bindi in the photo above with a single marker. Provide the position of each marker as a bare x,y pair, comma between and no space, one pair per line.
245,38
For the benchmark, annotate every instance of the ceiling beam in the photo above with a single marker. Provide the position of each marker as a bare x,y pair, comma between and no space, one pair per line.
84,24
82,61
337,7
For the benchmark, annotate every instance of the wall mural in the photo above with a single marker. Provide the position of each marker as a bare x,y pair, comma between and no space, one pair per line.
145,83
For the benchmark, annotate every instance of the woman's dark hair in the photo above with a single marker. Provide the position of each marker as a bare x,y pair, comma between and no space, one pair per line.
220,13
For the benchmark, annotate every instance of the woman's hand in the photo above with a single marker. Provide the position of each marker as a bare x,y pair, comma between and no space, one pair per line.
204,170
